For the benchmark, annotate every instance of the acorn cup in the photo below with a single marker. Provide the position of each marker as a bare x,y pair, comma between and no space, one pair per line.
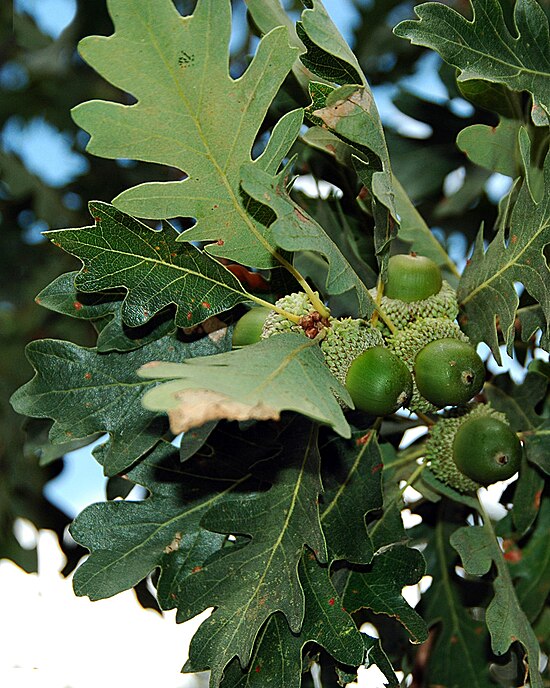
473,447
296,304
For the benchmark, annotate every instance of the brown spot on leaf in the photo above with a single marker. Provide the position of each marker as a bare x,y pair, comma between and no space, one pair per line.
196,569
332,114
174,545
205,304
77,306
87,376
378,467
198,406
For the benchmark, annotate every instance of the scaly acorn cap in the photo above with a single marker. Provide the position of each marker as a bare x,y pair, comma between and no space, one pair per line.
345,340
440,305
408,342
297,304
439,445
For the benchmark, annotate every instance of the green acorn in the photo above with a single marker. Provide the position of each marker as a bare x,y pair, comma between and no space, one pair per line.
297,304
443,304
249,327
407,344
473,446
412,278
344,341
378,382
448,372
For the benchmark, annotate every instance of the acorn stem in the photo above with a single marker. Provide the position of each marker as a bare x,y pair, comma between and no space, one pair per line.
289,316
414,477
378,312
425,419
408,457
313,297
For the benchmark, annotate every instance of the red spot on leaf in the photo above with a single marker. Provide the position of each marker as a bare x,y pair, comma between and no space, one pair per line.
196,569
364,193
87,376
513,239
189,315
215,206
173,595
331,601
97,219
513,556
205,304
77,305
378,467
220,242
538,495
37,300
173,254
258,669
360,441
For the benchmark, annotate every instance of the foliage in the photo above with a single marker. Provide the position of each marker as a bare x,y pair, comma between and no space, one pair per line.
281,506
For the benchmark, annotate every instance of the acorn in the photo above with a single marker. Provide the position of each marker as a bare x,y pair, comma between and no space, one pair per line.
448,372
441,305
408,343
378,382
249,327
344,341
486,450
412,278
471,447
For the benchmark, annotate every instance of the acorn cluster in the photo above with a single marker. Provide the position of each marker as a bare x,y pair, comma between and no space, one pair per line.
425,363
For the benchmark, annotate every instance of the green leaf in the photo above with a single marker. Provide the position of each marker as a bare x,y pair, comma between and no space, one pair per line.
86,393
458,656
295,230
495,148
250,582
286,372
507,623
486,289
531,567
328,55
128,540
484,48
177,69
379,588
277,655
121,252
105,310
353,488
412,227
518,402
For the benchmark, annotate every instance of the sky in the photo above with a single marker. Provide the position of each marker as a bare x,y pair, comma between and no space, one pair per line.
128,639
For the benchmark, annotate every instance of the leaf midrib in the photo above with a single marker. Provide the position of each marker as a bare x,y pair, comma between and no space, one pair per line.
208,152
510,264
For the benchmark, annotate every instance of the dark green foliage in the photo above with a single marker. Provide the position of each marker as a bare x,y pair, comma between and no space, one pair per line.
283,507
